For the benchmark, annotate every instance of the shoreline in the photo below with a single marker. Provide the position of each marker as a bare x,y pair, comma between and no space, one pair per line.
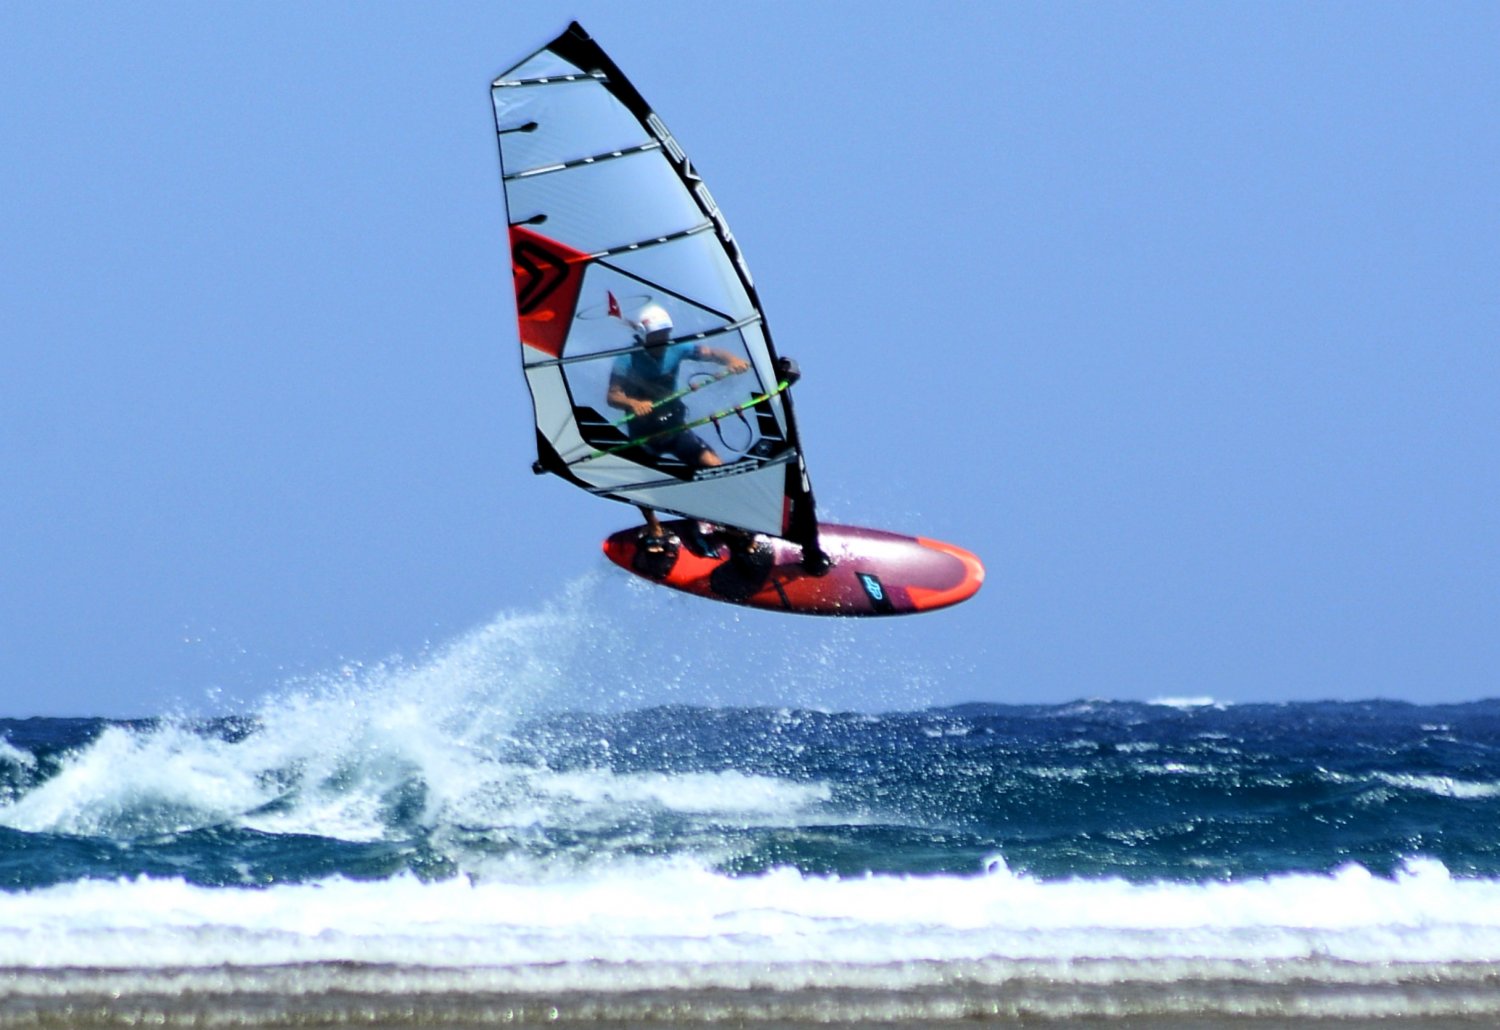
1445,997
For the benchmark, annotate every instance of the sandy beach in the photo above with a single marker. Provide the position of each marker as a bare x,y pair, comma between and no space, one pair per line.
337,995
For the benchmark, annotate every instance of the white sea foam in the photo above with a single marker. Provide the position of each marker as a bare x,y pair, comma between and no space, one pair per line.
1442,786
633,920
1073,773
1424,783
100,791
16,756
1177,769
327,755
1203,701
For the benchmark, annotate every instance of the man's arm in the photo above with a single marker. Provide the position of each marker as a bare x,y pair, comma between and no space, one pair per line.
618,398
722,357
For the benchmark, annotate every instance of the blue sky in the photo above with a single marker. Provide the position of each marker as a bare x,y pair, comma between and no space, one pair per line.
1185,317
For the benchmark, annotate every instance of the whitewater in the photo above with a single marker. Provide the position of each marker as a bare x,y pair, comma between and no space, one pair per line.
447,841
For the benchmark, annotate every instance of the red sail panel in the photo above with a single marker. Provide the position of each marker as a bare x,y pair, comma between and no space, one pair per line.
548,275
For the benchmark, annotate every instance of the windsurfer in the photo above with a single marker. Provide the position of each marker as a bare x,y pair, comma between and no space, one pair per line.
644,383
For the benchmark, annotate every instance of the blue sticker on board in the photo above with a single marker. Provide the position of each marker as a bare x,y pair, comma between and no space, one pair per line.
876,591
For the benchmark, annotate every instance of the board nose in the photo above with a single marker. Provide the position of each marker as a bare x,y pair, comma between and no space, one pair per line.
968,578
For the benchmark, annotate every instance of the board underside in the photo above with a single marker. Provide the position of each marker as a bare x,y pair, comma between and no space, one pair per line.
873,572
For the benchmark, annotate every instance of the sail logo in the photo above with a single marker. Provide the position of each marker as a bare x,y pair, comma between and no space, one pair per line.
699,188
538,273
547,281
733,468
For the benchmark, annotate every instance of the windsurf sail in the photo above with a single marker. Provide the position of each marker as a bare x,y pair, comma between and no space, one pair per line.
651,369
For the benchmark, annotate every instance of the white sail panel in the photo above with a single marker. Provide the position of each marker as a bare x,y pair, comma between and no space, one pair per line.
557,122
613,203
757,491
698,267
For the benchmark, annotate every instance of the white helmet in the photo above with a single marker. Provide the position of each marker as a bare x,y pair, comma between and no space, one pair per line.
653,319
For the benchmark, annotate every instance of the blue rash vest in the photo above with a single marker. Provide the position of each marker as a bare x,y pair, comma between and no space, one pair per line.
644,376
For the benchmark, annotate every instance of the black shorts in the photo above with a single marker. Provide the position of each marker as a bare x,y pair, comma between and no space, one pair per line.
662,435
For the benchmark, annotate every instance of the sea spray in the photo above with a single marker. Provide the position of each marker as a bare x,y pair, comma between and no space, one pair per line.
334,755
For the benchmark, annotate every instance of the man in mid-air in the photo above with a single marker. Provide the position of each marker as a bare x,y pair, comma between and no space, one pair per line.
644,383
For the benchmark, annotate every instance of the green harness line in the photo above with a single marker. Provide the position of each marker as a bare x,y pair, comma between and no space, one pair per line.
705,420
717,377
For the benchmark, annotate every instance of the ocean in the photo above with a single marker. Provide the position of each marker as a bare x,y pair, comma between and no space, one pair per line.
375,850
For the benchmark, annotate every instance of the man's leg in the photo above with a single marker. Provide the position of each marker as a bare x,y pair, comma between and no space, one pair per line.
653,524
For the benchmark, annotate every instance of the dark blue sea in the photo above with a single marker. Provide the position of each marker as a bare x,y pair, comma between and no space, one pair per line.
361,857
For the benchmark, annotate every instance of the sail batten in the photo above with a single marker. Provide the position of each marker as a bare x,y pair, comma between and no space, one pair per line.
635,348
563,166
546,80
651,368
626,248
